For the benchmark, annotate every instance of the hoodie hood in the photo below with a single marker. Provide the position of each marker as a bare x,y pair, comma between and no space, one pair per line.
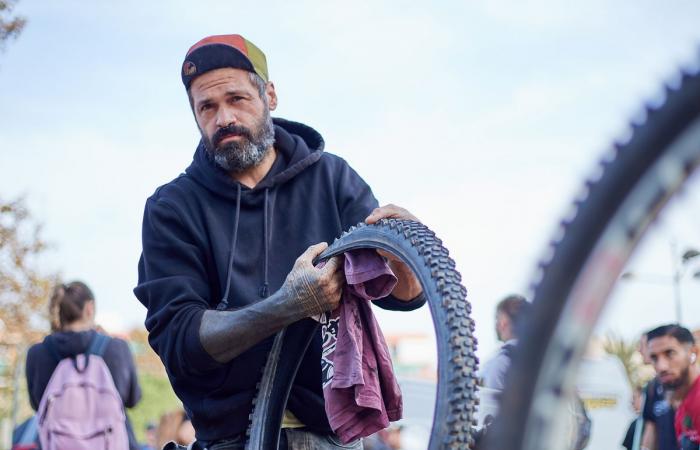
297,144
298,147
69,343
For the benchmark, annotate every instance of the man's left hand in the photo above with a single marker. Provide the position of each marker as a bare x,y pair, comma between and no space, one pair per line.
408,287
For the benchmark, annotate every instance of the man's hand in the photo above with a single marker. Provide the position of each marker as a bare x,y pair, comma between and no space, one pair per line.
306,292
314,290
408,286
389,212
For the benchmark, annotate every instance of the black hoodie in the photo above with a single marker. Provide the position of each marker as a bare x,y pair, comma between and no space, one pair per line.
206,237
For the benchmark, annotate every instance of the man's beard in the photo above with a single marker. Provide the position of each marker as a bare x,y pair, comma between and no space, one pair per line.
680,381
248,151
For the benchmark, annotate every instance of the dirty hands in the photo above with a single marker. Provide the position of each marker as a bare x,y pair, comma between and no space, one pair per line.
408,287
389,212
314,290
306,292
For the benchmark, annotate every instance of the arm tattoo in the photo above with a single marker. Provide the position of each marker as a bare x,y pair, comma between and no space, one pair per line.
227,334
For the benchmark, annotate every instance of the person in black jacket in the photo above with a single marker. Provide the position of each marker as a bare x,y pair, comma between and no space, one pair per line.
228,245
72,312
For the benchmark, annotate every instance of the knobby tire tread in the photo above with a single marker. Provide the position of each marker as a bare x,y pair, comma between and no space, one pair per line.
456,400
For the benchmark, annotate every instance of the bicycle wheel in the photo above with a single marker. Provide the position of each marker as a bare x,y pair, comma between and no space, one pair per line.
422,251
637,181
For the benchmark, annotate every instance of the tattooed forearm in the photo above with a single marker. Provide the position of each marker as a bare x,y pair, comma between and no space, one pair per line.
307,291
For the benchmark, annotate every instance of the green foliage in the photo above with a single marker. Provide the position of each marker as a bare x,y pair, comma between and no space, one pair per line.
158,398
24,294
628,354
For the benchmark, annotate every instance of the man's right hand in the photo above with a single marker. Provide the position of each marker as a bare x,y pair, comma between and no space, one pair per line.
314,290
306,292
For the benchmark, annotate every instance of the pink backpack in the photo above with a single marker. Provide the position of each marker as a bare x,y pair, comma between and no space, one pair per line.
81,408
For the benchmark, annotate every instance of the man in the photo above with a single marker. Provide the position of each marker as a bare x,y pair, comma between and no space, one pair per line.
509,312
657,412
673,353
228,248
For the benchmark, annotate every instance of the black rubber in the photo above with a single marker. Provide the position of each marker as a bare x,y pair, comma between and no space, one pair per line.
423,252
628,173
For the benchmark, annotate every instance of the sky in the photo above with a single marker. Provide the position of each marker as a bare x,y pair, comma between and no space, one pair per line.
482,118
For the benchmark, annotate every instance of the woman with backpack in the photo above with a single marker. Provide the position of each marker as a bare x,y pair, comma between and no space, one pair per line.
79,380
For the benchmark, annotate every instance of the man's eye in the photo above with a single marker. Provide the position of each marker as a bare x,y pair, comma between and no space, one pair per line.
204,107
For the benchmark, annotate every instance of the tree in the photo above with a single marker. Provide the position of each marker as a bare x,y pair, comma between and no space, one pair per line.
24,294
24,320
158,396
10,27
157,399
628,354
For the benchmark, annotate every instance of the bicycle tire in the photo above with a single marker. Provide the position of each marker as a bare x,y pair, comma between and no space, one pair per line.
456,401
573,283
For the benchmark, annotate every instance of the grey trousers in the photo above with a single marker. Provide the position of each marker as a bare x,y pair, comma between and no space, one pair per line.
290,439
303,440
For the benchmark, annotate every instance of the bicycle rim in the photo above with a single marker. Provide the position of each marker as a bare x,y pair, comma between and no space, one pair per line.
637,181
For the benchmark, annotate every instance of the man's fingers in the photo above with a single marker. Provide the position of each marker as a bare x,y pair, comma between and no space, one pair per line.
336,286
389,212
313,251
332,265
378,214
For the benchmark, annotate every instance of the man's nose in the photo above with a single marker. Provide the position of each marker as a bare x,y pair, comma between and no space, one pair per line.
225,117
661,364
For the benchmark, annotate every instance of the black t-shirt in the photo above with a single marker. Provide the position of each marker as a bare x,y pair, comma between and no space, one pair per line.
658,410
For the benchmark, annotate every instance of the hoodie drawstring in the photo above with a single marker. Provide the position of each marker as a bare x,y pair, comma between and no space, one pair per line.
224,301
264,289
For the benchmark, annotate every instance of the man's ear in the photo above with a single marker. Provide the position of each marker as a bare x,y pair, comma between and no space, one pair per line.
89,310
271,95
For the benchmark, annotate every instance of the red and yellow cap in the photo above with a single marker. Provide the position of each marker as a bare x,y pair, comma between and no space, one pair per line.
224,50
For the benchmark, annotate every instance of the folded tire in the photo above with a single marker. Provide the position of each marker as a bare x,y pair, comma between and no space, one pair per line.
456,401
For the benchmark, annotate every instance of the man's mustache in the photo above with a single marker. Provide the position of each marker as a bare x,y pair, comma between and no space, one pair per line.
231,130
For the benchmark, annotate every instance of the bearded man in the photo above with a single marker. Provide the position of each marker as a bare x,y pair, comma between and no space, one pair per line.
228,249
673,353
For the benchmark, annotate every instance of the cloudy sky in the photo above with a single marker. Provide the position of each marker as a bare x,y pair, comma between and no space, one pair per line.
480,117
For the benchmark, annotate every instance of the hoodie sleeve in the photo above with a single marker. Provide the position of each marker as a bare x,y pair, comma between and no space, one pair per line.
355,203
173,287
353,196
37,379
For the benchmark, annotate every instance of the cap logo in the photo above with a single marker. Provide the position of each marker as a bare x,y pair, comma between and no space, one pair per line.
188,68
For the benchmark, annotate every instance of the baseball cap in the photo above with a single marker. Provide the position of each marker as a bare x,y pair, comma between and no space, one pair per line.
219,51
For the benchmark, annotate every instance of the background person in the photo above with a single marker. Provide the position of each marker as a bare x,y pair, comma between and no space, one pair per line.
673,353
509,312
150,437
387,439
636,404
174,426
72,311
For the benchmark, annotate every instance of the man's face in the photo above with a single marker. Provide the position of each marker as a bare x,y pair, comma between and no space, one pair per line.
234,120
671,360
503,326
